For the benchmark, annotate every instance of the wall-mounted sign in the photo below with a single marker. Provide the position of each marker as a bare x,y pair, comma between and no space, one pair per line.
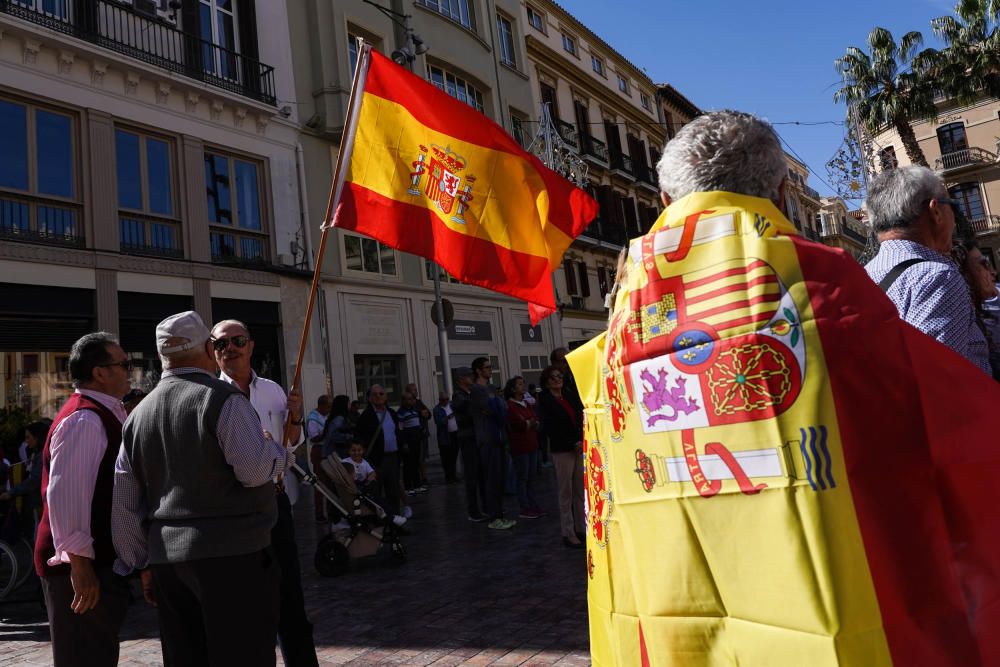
470,330
531,334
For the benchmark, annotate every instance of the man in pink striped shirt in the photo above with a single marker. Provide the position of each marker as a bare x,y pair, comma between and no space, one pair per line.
74,553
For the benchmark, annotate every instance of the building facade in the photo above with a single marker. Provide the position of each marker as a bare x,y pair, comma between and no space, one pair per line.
840,229
962,145
613,116
148,166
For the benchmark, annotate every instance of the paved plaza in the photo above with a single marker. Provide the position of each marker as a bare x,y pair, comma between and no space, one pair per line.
467,596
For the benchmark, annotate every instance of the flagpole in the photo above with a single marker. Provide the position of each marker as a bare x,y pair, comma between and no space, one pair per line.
333,201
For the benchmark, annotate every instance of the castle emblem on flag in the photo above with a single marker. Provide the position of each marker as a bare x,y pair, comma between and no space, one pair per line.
442,167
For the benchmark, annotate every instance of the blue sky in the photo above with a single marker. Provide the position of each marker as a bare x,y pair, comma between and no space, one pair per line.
773,58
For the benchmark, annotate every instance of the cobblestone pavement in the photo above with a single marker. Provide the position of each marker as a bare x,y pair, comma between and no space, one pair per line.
466,596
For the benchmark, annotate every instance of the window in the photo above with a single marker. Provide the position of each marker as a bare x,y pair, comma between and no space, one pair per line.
549,98
146,209
535,20
581,269
518,129
236,226
598,65
569,44
38,189
386,371
456,86
57,9
644,100
443,275
887,158
623,84
506,33
531,368
971,198
570,273
456,10
951,138
220,38
352,50
368,255
668,118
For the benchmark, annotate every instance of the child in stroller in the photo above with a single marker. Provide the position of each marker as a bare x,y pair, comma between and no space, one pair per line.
360,525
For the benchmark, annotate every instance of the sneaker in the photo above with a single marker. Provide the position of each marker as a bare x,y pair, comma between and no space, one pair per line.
528,514
408,512
500,524
509,523
422,488
412,492
399,520
477,518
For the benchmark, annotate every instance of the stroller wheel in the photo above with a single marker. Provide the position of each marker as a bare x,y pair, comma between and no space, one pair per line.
332,559
398,552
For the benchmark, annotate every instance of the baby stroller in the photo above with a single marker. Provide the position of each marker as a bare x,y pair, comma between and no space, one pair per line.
366,530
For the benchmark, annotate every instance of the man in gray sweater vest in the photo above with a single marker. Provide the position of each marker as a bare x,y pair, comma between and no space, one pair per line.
194,506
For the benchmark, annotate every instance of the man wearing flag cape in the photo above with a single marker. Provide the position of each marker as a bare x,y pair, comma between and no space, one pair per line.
779,470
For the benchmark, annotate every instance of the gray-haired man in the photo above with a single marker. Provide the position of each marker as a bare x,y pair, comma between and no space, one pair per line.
914,217
194,503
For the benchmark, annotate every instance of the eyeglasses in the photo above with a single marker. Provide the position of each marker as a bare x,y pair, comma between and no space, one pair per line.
124,365
239,342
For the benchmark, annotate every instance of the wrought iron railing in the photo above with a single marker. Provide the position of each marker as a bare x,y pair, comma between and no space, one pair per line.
988,224
621,162
810,191
605,233
120,28
645,175
832,229
595,148
567,132
966,157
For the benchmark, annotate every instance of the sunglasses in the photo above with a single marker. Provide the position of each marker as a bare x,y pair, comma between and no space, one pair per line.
124,365
239,342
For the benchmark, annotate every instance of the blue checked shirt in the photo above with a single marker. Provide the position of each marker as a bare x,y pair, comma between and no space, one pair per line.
933,297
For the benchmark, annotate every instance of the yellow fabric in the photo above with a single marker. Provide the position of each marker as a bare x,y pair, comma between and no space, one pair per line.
506,214
770,577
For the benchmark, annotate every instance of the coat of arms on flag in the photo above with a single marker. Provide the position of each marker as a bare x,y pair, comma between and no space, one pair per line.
443,180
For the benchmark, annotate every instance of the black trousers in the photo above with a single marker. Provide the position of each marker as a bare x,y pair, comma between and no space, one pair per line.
388,481
90,639
448,450
411,463
216,612
470,463
294,629
493,463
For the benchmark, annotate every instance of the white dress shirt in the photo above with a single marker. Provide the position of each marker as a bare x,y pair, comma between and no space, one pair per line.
76,448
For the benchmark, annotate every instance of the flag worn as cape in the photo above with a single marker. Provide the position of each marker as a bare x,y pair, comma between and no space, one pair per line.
432,176
779,470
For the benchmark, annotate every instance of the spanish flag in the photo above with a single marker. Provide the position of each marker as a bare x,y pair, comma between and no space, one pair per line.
430,175
779,470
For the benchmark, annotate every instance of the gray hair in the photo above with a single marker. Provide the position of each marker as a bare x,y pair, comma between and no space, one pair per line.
725,150
896,197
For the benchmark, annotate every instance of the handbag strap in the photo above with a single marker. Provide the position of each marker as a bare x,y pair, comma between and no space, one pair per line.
377,431
896,271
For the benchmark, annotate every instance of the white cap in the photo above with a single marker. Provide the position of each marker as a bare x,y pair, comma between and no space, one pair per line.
186,326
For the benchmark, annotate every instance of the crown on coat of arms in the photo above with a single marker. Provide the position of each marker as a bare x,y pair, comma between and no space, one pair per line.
449,158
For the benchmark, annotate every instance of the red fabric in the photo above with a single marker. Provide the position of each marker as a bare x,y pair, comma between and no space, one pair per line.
522,440
919,427
475,261
571,209
100,507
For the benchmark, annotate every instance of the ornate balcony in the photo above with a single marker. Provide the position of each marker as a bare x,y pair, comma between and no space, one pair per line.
606,233
967,157
622,162
596,149
567,132
122,29
989,224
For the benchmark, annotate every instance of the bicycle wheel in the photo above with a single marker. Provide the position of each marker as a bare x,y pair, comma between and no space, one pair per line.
8,570
24,552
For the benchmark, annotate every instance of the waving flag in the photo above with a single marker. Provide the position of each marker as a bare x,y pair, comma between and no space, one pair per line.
430,175
779,470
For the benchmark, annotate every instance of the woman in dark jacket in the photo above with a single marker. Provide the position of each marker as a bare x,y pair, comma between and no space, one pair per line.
564,428
31,488
522,424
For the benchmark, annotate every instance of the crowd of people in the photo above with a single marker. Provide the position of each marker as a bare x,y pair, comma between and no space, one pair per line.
190,486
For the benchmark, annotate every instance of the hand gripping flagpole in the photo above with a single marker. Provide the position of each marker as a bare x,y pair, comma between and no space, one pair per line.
336,189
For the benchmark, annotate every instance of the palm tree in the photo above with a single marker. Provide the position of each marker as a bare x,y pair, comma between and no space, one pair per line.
970,65
887,88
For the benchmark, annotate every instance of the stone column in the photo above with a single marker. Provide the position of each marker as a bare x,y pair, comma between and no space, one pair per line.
103,205
107,300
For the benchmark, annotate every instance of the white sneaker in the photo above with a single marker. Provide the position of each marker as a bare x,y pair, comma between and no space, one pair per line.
408,512
399,520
